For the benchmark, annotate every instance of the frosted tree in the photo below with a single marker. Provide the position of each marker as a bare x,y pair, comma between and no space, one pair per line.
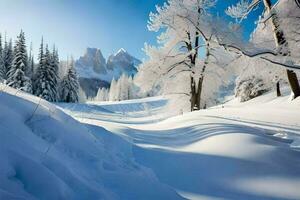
117,91
124,87
30,64
2,72
188,29
106,95
7,58
102,94
131,88
112,90
82,98
17,77
70,86
53,71
46,78
40,71
242,9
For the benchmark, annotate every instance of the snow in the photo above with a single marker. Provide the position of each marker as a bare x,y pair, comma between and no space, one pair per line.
232,151
120,51
139,149
93,65
46,154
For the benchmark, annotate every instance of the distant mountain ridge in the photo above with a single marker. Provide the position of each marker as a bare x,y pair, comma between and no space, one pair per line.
93,65
94,71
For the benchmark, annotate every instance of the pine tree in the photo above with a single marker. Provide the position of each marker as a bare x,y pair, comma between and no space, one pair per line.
112,90
7,58
46,79
70,86
30,64
117,90
130,88
17,74
106,93
102,94
2,72
40,71
32,67
53,71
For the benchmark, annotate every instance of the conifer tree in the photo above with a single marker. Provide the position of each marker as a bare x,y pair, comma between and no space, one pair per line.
17,74
30,64
112,90
70,86
53,71
46,79
102,94
1,61
39,74
7,58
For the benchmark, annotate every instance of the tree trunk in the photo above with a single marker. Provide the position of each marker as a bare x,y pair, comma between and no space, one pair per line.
282,44
193,94
278,89
294,83
201,79
199,92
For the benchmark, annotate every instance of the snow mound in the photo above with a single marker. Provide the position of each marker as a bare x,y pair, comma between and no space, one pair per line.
233,151
46,154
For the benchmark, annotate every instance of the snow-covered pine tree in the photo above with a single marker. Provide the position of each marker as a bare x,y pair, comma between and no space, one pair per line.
112,90
123,84
101,95
30,64
122,89
1,61
82,98
117,90
39,74
70,86
7,58
46,79
53,70
106,94
130,88
17,74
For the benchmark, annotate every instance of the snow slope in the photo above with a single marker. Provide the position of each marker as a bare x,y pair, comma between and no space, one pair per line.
46,154
233,151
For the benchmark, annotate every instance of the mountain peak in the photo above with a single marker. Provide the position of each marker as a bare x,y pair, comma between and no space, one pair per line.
94,59
121,51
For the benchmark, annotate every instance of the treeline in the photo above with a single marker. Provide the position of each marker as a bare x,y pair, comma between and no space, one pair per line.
121,89
18,70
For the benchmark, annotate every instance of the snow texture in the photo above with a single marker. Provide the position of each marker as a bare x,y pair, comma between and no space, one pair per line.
232,151
46,154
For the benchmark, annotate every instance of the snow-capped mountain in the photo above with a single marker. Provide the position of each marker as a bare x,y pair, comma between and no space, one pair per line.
92,60
93,65
95,72
123,62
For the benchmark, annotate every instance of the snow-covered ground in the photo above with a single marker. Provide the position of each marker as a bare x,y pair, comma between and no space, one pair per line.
136,150
232,151
46,154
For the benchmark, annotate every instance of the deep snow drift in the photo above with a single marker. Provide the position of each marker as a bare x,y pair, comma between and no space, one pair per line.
233,151
46,154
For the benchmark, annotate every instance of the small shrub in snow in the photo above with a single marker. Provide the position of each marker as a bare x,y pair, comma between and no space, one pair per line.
250,88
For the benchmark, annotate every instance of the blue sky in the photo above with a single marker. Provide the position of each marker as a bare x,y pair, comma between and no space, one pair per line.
74,25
